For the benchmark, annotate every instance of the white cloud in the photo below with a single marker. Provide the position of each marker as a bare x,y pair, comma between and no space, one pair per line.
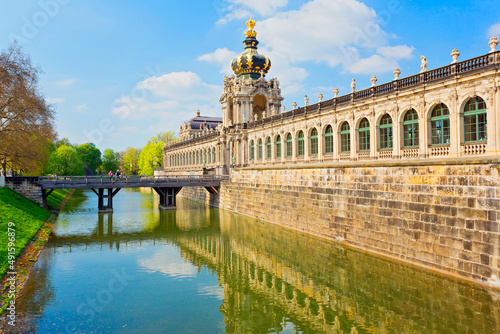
212,290
396,52
222,57
494,30
234,14
81,107
55,100
372,65
170,98
170,265
66,83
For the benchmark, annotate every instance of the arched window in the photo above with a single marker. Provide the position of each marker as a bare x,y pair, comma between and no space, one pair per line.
475,120
410,129
289,150
260,148
204,157
329,139
385,132
345,138
278,146
268,148
314,142
252,150
440,125
213,155
300,144
209,157
364,135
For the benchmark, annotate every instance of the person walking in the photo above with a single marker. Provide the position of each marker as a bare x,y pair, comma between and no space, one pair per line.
110,175
117,174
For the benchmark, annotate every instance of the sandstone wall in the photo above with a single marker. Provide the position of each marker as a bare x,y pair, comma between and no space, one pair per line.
445,218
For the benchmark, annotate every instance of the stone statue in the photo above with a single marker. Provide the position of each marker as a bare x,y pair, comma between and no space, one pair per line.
493,44
373,80
261,74
306,100
282,108
396,73
294,105
320,97
423,65
353,85
336,92
454,55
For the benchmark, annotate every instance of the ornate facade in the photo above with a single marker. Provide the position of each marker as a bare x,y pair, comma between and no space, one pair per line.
449,112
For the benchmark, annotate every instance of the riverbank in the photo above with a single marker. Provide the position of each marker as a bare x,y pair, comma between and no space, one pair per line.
27,226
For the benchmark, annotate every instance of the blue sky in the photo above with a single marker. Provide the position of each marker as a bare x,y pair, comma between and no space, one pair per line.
118,72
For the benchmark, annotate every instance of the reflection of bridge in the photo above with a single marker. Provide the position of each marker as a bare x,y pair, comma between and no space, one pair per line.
106,188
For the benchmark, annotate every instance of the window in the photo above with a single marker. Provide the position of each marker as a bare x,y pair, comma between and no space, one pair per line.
252,150
213,155
345,138
314,142
289,145
268,148
278,146
364,135
209,157
440,125
475,120
410,129
329,139
385,132
300,144
260,148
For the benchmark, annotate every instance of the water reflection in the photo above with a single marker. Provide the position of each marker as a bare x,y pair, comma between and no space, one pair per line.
205,270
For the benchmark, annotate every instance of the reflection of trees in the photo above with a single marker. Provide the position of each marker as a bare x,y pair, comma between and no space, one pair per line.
37,294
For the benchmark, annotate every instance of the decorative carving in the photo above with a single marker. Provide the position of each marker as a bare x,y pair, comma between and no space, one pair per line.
423,65
336,92
454,55
320,97
493,44
294,105
306,100
250,32
396,73
353,85
373,80
283,108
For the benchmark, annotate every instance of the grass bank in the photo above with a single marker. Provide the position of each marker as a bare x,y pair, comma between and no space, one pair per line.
27,218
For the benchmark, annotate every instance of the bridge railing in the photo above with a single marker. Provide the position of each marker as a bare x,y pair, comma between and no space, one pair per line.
127,179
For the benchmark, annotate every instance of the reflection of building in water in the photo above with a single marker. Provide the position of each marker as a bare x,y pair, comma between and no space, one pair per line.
322,288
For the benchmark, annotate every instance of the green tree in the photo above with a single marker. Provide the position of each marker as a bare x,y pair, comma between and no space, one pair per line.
130,161
91,156
110,160
64,141
151,157
65,161
165,137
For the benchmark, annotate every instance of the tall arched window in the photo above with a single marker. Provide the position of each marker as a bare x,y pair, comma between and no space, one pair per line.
260,148
268,148
385,132
209,156
475,120
313,147
440,125
289,148
213,155
410,129
278,146
204,157
252,150
364,135
300,144
329,139
345,138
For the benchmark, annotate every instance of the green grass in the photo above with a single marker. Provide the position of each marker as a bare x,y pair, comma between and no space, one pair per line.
27,216
56,197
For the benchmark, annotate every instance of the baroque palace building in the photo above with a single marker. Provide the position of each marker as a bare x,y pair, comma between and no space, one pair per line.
449,112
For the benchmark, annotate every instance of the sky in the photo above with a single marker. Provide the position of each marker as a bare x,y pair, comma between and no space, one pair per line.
119,72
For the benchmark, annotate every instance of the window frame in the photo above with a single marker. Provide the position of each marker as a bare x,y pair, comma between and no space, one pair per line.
365,131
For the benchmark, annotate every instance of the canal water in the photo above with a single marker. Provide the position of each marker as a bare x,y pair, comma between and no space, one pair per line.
201,270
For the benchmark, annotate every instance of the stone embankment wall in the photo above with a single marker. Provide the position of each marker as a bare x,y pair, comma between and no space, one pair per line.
29,191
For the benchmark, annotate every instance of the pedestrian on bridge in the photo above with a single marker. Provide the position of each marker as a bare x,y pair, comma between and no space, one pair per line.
110,175
117,174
